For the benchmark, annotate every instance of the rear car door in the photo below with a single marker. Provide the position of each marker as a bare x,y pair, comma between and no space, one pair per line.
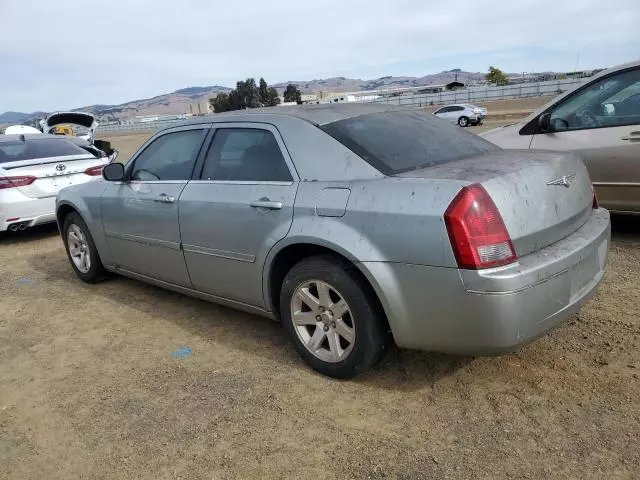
601,122
140,215
241,205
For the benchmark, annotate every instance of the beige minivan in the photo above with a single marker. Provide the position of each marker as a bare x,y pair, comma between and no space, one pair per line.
599,120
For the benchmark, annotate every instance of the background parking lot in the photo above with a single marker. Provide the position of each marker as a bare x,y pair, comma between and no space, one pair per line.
125,380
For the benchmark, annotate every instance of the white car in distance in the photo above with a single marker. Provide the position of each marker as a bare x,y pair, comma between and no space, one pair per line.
462,114
34,168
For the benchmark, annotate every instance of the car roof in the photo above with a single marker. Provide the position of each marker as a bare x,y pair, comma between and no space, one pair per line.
320,114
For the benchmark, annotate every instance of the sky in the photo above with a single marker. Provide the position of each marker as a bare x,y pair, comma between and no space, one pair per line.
68,53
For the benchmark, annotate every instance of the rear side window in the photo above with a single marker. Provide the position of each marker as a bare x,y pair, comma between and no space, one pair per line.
245,154
32,148
396,142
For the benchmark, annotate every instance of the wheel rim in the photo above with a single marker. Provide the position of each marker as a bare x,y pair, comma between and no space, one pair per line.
463,122
323,321
78,248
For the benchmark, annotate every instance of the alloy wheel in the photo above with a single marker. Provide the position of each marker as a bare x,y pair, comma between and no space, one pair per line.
323,321
78,248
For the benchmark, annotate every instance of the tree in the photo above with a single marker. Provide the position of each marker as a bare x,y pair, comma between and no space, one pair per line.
220,103
496,76
246,95
264,92
292,94
272,99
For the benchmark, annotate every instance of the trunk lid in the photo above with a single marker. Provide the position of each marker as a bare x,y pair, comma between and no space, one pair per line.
51,174
542,196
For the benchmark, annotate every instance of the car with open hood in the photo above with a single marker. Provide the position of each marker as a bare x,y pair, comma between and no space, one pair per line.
86,122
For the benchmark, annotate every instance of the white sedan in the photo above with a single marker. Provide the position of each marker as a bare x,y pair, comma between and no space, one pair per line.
462,114
34,168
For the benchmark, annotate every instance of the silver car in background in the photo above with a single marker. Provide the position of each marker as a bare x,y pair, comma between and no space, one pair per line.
462,114
351,224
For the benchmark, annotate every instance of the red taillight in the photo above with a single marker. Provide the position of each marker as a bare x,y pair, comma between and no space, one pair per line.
94,171
478,236
12,182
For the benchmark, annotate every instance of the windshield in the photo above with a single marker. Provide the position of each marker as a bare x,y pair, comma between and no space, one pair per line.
399,141
29,149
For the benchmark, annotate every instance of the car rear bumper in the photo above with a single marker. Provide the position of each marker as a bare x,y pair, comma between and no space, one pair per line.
496,310
19,209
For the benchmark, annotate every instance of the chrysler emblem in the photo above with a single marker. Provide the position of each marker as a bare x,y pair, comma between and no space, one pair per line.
565,181
61,167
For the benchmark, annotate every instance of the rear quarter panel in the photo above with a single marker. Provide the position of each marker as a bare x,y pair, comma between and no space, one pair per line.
386,220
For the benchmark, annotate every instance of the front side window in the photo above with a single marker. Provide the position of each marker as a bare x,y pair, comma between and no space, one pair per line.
245,154
169,157
610,102
399,141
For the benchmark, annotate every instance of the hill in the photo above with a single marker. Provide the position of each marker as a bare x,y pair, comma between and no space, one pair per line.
186,100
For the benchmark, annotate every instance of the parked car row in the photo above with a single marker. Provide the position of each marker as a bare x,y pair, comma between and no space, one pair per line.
358,225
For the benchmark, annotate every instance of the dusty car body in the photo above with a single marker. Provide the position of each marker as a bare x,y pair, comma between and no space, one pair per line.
347,222
599,120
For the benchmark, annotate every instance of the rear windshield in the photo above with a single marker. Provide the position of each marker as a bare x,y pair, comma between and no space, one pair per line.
32,148
396,142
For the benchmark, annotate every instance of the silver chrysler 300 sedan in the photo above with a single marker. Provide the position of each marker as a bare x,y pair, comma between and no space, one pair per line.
352,224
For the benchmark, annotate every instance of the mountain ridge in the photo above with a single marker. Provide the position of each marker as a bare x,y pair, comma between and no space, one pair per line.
194,99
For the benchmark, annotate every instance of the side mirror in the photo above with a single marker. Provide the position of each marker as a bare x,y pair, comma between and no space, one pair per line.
544,122
114,172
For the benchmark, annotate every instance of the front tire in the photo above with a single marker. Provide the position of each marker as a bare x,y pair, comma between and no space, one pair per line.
331,317
81,250
463,121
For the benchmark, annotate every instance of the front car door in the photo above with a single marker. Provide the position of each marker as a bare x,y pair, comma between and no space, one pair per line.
601,122
441,113
239,208
140,215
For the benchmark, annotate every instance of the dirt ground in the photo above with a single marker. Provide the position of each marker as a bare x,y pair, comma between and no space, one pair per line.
122,380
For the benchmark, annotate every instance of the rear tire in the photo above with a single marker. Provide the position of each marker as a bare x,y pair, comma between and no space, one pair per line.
81,250
463,121
331,317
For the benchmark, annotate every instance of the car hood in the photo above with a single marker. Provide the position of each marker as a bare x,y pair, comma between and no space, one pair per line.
508,136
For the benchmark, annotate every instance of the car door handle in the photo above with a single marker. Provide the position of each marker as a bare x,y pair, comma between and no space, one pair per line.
164,198
266,204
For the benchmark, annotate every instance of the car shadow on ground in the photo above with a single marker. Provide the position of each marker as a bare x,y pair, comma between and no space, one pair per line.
399,369
625,228
29,235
